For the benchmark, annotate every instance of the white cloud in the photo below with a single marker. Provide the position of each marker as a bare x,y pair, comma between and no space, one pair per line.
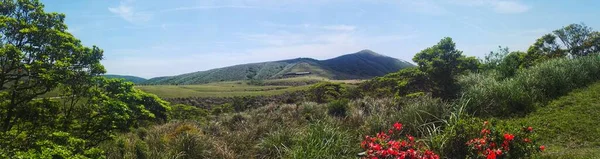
127,12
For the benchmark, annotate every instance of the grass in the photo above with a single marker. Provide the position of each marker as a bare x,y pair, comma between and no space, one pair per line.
568,125
230,89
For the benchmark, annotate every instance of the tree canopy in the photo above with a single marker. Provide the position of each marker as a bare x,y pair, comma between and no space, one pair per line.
38,55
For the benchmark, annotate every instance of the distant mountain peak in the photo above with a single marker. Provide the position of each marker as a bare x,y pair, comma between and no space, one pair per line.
368,52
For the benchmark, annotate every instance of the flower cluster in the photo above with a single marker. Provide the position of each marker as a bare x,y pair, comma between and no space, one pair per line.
382,146
487,147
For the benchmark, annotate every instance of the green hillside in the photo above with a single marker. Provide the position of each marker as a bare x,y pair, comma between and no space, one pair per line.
361,65
568,125
133,79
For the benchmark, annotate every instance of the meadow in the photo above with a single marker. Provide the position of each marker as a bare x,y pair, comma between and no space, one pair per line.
238,88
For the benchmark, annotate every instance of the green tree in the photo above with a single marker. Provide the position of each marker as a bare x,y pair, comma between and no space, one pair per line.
442,62
494,58
38,55
574,38
510,64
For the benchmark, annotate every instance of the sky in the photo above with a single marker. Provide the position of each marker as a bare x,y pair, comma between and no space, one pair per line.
151,38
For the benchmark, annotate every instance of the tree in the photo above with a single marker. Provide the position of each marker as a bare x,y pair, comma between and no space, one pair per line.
37,56
510,64
442,62
494,58
574,38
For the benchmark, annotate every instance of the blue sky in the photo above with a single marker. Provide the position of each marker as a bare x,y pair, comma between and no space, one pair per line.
151,38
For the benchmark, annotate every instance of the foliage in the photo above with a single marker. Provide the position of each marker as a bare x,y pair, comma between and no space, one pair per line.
38,55
322,140
186,112
494,58
495,143
575,39
442,62
224,108
337,108
519,94
401,83
383,146
325,91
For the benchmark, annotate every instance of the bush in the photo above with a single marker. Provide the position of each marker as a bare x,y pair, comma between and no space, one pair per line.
383,146
337,108
325,91
276,144
541,83
322,140
225,108
186,112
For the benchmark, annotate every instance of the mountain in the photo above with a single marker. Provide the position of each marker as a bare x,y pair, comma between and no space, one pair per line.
361,65
134,79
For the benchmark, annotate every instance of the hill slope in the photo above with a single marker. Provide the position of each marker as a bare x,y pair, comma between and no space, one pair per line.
360,65
133,79
568,125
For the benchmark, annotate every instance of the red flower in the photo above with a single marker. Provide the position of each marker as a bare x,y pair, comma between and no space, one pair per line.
410,138
509,137
397,126
542,148
530,129
490,154
526,140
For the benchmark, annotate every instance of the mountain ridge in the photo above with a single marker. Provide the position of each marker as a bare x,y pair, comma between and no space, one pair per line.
360,65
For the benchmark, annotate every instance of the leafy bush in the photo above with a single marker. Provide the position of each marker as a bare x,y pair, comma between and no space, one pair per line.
337,108
276,144
322,140
186,112
224,108
496,143
517,95
383,146
325,91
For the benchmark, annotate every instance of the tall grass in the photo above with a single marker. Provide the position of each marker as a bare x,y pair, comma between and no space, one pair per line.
520,94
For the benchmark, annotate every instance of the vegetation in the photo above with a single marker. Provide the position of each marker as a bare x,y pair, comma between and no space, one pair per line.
38,55
55,103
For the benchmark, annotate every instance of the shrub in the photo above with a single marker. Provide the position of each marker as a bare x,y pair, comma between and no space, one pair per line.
540,83
496,143
276,144
325,91
337,108
225,108
322,140
383,146
186,112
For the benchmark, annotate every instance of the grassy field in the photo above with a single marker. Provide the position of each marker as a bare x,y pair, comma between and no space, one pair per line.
232,88
569,125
